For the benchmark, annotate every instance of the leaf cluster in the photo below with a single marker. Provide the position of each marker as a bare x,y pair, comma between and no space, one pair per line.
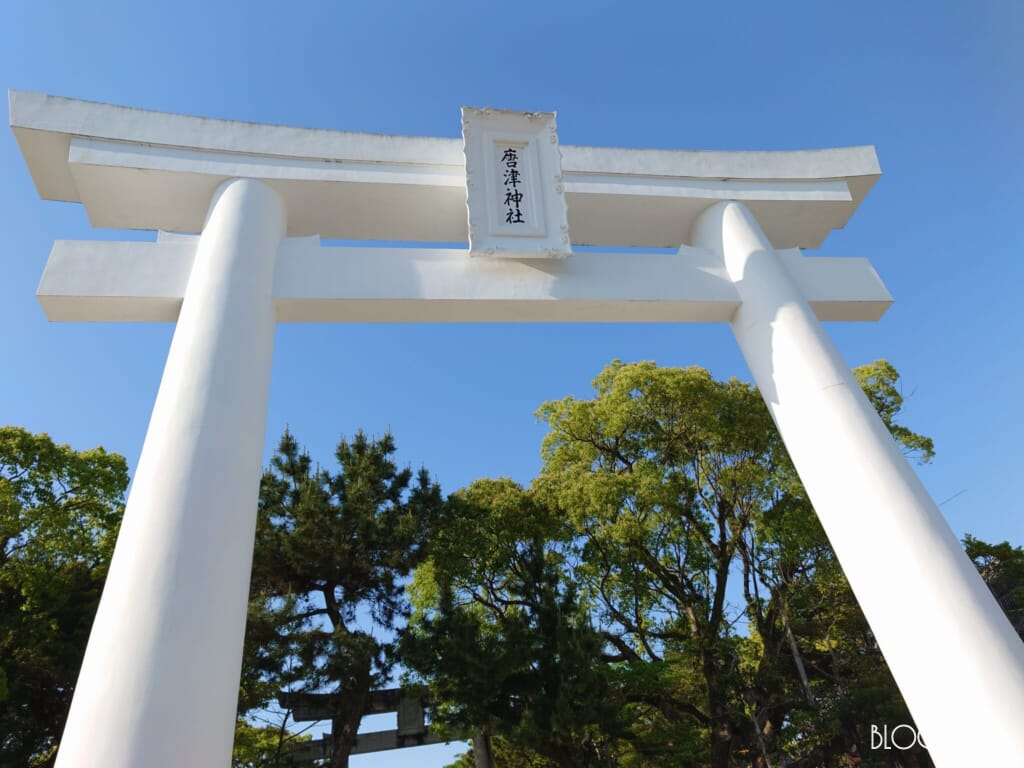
669,509
333,550
59,514
499,637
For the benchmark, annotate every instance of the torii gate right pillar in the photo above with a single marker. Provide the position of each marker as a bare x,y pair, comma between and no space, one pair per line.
906,567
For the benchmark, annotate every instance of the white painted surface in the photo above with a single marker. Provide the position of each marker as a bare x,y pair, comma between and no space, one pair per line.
537,224
139,169
955,657
97,281
159,684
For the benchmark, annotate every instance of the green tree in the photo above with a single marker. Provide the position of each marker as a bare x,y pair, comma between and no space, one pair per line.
59,514
660,474
499,635
265,746
815,679
1002,568
682,497
506,755
332,552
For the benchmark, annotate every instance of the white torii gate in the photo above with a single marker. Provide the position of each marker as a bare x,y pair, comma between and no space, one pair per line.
158,685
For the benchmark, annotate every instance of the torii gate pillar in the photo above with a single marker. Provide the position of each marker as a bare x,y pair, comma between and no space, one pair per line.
159,683
919,591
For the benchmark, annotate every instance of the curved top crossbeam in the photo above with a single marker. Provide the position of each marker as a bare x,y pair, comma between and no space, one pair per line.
141,169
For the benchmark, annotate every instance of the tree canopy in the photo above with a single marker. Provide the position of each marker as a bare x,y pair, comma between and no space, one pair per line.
59,514
1002,568
720,628
327,592
661,595
499,635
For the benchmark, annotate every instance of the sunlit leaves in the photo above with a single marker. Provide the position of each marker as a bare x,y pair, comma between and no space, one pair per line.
59,514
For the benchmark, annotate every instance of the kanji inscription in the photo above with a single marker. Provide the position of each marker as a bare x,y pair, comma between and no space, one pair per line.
515,197
511,179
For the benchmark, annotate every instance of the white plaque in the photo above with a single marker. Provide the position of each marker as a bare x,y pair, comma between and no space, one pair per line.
514,185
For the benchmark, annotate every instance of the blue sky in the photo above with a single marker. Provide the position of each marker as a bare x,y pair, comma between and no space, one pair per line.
935,86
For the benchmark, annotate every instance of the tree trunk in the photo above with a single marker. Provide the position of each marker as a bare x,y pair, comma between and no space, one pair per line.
721,743
721,726
721,722
345,724
343,739
763,761
798,659
482,750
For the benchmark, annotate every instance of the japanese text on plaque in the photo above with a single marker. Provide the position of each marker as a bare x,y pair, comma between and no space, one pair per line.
513,193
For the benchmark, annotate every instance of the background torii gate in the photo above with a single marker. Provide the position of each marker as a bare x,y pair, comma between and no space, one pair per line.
158,685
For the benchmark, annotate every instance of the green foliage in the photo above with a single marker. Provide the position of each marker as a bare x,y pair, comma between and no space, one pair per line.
1002,568
662,474
59,514
662,499
663,594
263,746
327,591
506,755
880,383
57,505
499,636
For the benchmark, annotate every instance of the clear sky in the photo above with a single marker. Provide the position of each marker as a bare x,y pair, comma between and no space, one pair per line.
935,86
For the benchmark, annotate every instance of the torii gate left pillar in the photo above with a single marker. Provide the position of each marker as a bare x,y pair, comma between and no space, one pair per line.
159,682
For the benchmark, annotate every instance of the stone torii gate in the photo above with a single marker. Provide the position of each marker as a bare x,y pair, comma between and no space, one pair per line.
158,685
